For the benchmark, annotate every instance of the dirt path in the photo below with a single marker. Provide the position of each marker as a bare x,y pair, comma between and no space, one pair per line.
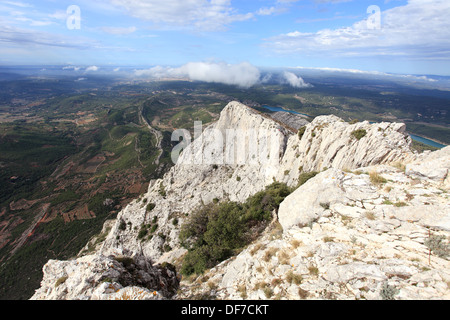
29,232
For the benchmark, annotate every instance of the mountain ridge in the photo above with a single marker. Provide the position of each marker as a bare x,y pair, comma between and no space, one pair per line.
214,168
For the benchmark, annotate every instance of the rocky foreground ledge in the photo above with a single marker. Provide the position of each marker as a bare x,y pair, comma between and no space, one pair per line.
343,235
374,223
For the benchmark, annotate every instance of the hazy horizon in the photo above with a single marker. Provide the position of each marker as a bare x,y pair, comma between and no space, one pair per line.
386,36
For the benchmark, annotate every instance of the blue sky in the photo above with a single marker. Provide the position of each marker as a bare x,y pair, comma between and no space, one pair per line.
398,36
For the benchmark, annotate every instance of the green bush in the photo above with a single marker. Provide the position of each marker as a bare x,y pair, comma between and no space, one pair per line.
437,244
153,229
388,292
358,134
150,206
301,132
305,176
142,233
122,225
216,231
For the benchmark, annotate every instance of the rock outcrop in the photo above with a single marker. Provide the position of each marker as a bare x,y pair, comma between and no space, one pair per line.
97,277
357,228
329,142
293,121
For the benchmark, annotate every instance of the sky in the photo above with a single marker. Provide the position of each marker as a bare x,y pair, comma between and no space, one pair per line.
195,36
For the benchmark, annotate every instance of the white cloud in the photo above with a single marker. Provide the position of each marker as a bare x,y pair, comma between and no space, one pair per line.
374,73
71,68
243,74
58,15
294,80
92,68
119,30
194,14
34,23
266,11
419,29
18,4
26,37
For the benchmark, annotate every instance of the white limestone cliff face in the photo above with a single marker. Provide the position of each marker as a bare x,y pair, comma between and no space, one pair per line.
214,166
206,170
334,203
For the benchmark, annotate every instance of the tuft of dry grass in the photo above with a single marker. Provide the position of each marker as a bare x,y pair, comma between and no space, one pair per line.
313,270
283,257
292,277
296,243
400,166
369,215
376,178
269,254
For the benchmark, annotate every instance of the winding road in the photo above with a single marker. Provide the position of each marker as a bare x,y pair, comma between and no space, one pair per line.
158,135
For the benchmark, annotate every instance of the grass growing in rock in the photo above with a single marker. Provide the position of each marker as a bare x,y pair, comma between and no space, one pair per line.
376,178
217,231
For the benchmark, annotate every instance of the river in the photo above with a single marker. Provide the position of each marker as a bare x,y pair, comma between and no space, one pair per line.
427,141
276,109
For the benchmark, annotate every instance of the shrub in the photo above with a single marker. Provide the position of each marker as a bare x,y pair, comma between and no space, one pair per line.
325,205
153,229
358,134
388,292
142,233
122,225
150,206
162,190
301,132
436,244
305,176
216,231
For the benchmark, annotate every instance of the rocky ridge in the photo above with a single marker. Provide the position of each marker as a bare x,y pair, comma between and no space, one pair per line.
352,231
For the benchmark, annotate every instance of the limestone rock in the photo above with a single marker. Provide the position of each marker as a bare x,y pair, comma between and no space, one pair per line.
293,121
100,277
311,200
434,166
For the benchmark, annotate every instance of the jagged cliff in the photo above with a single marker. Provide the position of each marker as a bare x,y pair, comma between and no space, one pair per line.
345,234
